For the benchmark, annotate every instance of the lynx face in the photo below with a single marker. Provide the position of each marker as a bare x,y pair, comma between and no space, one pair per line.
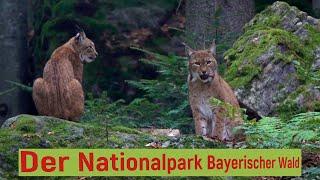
202,66
85,47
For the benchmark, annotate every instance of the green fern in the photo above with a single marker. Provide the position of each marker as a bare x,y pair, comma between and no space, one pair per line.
165,100
169,91
311,172
302,131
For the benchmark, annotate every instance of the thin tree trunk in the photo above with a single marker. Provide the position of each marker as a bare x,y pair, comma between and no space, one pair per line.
200,22
13,56
222,20
316,6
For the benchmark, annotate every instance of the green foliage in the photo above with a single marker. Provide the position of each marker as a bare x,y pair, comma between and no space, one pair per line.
311,172
229,110
26,125
245,52
48,132
101,110
262,33
36,132
164,104
302,131
55,22
264,36
167,95
290,106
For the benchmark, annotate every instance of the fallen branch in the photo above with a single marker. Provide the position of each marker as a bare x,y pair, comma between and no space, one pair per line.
21,86
7,91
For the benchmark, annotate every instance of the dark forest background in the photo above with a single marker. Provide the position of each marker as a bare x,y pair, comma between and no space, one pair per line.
268,51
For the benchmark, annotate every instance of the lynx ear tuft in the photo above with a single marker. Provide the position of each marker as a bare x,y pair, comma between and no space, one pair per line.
189,50
213,48
80,37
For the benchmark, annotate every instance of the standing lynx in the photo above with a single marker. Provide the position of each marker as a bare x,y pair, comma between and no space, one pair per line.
59,93
205,83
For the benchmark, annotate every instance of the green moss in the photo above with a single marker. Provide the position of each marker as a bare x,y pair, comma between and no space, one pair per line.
308,78
260,35
7,139
289,106
253,44
314,37
116,140
265,19
20,135
125,130
26,124
198,142
55,133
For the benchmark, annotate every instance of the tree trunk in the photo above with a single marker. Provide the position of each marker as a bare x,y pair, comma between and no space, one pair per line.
222,20
316,6
13,56
200,22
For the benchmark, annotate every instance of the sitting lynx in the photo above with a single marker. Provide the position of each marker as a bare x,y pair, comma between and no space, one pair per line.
59,93
204,83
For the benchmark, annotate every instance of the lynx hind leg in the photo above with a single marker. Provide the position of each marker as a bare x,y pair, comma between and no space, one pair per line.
227,134
218,125
74,101
238,133
40,96
232,131
201,126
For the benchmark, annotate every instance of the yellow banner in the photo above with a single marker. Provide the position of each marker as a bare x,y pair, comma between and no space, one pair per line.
159,162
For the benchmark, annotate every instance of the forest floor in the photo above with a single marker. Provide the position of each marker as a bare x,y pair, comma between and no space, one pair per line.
26,131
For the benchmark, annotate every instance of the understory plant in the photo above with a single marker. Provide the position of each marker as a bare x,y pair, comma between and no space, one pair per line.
164,103
301,131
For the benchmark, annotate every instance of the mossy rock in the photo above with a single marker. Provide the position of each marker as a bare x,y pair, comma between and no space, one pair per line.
27,131
276,57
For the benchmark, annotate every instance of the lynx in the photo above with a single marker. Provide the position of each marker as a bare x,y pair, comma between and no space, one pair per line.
59,93
204,83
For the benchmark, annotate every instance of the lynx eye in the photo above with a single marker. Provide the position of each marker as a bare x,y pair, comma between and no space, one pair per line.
197,63
208,62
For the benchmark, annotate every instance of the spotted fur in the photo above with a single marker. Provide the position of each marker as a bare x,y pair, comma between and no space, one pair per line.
204,83
59,93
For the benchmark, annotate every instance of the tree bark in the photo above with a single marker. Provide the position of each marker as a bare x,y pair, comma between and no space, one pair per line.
316,6
200,22
222,20
13,56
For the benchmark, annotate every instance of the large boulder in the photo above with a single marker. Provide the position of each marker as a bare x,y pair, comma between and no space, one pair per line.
274,67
